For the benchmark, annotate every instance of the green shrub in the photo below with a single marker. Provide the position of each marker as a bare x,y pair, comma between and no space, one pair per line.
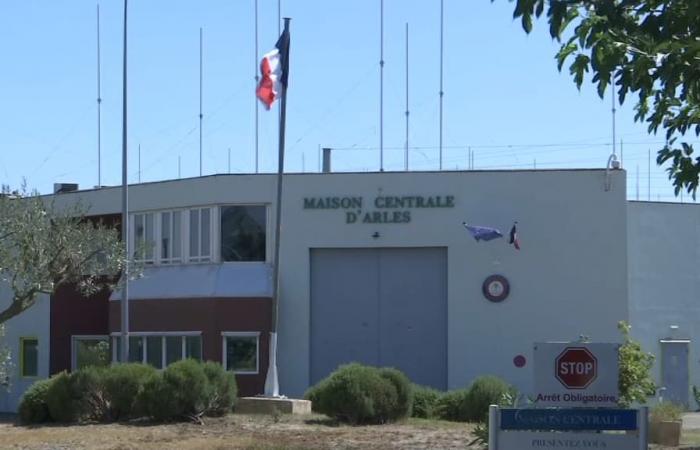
92,402
635,382
223,389
450,406
182,391
404,393
123,385
665,411
357,394
696,395
484,391
425,401
33,407
64,399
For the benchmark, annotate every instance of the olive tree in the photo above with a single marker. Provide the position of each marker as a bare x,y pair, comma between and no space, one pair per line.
43,247
648,48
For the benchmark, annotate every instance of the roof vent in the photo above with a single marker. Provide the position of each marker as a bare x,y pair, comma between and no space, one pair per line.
60,188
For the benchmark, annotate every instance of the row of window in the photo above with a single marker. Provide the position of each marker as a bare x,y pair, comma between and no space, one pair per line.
226,233
240,350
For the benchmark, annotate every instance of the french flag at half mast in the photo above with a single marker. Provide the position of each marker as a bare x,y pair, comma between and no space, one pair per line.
274,72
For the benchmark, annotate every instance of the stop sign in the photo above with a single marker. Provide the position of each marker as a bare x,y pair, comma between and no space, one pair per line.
576,367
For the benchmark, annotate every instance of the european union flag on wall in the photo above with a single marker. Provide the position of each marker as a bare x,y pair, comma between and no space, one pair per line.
483,233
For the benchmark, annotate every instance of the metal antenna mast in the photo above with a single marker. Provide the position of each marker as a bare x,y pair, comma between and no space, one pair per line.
442,32
99,104
381,85
139,163
405,157
649,175
229,160
200,102
257,80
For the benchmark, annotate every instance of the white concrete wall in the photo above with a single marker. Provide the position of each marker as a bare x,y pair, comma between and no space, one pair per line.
33,322
664,278
570,278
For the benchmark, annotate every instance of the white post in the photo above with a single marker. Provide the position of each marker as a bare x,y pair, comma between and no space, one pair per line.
493,427
642,427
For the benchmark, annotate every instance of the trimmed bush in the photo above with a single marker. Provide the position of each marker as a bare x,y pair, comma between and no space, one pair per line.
33,407
183,391
425,401
223,389
123,385
360,394
92,402
450,406
404,392
484,391
64,399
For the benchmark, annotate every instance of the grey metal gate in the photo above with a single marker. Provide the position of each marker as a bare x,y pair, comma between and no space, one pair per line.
674,371
384,307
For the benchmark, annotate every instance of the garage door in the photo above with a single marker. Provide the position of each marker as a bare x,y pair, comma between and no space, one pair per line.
384,307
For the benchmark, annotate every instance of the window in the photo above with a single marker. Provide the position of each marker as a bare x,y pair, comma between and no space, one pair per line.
154,351
29,356
144,237
200,235
90,351
193,347
170,237
161,348
241,352
243,230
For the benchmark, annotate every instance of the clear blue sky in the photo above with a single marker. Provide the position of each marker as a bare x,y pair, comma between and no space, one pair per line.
503,93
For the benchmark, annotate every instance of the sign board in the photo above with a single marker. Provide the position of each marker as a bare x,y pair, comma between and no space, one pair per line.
568,419
526,440
567,428
576,374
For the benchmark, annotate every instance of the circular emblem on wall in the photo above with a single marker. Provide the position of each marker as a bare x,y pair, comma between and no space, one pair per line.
496,288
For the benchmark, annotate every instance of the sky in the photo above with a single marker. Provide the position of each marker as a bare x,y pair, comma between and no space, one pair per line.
503,96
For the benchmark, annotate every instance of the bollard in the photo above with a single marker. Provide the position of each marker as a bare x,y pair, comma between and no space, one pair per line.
493,427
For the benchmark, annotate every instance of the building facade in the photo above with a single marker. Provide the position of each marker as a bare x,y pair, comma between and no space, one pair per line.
374,267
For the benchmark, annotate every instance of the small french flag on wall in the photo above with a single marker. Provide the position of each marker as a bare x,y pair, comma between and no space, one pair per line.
274,71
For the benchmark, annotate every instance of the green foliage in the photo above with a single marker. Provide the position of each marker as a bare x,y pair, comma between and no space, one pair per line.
43,247
649,48
635,381
223,392
123,385
183,391
404,392
481,435
485,391
93,353
472,404
425,401
665,411
64,399
5,361
696,395
33,407
450,406
360,394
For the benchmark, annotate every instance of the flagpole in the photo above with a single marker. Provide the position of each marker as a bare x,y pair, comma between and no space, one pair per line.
125,210
271,380
257,80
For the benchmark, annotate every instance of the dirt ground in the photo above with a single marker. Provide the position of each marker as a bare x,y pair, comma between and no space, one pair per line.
239,432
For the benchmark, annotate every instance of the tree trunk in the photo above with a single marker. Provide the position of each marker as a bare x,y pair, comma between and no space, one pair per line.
14,309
